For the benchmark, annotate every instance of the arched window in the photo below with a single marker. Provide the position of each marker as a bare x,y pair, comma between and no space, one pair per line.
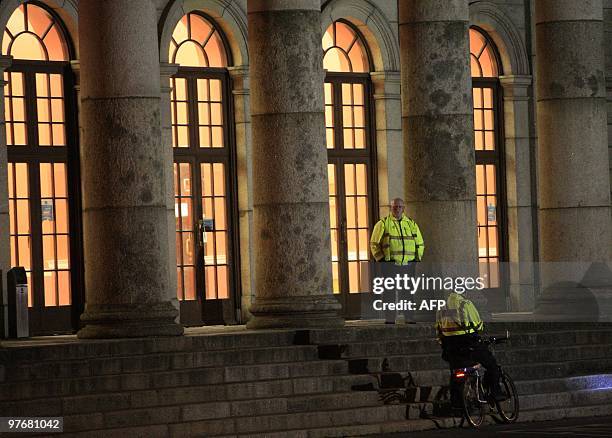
204,172
348,122
488,143
40,115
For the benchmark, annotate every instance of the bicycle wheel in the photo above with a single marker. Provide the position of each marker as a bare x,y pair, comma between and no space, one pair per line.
509,408
473,409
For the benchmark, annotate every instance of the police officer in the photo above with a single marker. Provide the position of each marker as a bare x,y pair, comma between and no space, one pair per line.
397,240
458,325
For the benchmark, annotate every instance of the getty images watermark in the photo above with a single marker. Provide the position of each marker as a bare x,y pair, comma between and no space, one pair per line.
551,291
402,284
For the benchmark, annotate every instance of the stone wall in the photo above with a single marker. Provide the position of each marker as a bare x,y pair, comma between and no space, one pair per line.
608,54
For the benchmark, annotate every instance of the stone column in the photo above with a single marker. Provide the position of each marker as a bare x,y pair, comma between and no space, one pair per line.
571,108
293,285
389,148
519,196
437,122
244,166
574,180
166,72
5,255
124,165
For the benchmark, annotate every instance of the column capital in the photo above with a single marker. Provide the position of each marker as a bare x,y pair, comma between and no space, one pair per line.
387,84
516,87
240,79
76,69
5,62
167,69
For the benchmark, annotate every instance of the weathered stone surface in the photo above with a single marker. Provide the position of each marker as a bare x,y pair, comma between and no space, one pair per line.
124,263
115,52
123,160
293,250
439,159
124,168
291,155
289,77
412,11
567,234
568,10
438,234
281,5
437,124
568,65
291,212
573,149
573,139
434,66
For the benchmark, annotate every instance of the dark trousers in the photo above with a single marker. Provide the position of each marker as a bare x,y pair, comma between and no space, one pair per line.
456,351
389,269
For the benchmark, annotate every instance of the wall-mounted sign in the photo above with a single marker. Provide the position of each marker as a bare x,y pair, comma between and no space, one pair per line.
46,210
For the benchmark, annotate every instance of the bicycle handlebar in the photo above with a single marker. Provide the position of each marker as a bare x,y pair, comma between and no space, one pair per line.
494,339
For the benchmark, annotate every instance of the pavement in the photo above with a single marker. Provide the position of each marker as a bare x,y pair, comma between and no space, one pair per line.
592,427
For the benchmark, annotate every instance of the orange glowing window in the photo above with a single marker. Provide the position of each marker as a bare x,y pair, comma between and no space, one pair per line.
197,43
32,33
491,221
344,49
482,56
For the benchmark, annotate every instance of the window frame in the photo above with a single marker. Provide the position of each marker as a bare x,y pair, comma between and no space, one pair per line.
195,155
54,319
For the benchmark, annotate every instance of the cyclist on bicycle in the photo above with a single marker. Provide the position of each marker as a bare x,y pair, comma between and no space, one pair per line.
458,326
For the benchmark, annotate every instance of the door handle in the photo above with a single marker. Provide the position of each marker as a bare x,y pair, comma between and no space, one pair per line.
343,231
201,232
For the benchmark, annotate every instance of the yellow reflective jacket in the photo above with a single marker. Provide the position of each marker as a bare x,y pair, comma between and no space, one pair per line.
395,240
459,317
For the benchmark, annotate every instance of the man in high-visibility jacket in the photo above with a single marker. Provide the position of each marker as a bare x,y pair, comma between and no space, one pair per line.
458,326
397,238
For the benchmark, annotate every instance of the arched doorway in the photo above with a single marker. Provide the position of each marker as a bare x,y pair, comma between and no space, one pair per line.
204,173
489,150
350,151
43,167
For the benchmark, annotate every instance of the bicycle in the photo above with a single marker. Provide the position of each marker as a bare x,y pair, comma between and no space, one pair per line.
475,396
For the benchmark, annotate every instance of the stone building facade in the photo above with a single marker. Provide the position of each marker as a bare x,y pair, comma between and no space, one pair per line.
492,119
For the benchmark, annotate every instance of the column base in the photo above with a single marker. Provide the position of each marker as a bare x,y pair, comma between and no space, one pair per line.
103,321
295,312
587,300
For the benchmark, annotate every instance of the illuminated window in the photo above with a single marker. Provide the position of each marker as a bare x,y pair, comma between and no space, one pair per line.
347,126
39,115
344,49
486,94
203,166
197,43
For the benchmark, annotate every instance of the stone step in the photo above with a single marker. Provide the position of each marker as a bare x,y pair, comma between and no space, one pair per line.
525,415
547,359
159,362
60,348
364,331
429,345
144,387
200,420
567,398
434,388
576,383
257,413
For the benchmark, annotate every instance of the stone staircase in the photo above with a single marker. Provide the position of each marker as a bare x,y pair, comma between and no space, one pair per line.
288,383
